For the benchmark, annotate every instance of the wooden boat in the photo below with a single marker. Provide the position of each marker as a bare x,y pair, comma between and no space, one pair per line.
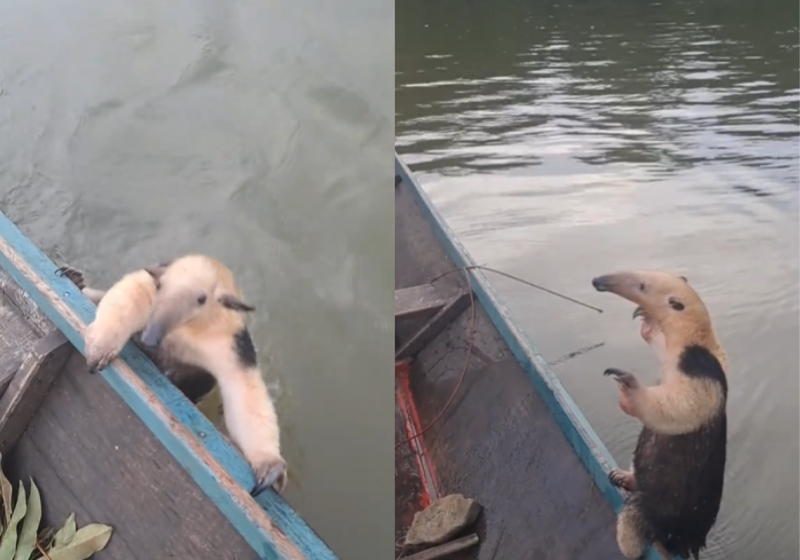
123,448
512,438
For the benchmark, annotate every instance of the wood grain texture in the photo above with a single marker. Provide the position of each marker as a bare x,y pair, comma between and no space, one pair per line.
8,368
30,386
269,525
89,454
431,329
445,550
34,317
423,298
16,334
562,410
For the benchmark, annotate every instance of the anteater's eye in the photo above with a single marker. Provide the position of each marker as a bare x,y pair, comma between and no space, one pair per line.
642,287
201,299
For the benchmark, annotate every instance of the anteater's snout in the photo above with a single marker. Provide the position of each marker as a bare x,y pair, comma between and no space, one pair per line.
152,336
601,283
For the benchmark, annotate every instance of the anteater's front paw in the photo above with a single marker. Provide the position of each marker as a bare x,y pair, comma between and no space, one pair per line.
99,362
73,275
270,471
622,377
99,354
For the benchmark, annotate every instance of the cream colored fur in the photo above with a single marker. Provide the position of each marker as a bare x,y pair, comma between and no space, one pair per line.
204,338
248,411
629,533
678,404
122,311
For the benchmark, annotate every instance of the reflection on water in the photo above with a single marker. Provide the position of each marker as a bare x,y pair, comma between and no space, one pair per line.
565,140
256,132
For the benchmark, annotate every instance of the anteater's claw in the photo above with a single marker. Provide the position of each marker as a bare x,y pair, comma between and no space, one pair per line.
271,472
621,377
73,274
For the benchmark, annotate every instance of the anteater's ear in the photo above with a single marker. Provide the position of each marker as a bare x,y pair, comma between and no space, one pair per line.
676,304
232,302
157,271
684,279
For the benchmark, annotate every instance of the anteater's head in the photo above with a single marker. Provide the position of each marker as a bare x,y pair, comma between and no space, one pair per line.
664,301
193,288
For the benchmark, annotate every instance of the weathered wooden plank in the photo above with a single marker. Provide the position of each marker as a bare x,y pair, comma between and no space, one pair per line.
270,525
30,386
16,333
427,298
89,453
8,368
446,549
422,311
434,326
22,302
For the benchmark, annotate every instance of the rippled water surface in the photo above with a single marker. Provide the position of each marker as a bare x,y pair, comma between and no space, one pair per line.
564,140
259,133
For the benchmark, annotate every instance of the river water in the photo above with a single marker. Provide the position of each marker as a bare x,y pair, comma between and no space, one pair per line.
562,140
256,132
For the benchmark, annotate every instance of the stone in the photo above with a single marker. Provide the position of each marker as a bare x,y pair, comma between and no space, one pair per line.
442,520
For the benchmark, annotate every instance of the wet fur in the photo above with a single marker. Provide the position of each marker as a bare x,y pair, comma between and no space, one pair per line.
212,346
677,477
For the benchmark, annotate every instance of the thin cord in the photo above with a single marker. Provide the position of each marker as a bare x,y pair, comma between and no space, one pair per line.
522,281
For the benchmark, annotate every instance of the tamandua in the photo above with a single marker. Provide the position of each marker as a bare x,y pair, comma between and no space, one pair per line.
675,484
190,316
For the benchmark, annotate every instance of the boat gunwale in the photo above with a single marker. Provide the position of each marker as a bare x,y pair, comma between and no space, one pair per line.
267,522
581,435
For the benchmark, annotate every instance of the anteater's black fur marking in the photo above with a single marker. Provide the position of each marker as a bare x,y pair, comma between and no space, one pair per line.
194,382
698,361
245,351
679,479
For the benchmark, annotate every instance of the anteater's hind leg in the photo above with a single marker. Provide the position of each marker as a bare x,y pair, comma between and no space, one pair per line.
633,530
623,479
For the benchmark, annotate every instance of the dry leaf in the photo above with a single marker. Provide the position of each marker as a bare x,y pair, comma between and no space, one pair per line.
30,526
88,540
7,490
65,535
8,544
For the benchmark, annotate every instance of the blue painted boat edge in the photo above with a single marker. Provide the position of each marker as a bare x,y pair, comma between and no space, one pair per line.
261,537
587,444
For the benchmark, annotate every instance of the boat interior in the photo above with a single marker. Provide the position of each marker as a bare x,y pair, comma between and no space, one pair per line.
468,420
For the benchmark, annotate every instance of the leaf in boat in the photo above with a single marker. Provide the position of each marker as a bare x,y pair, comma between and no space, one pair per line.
7,491
30,526
8,544
65,535
88,540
